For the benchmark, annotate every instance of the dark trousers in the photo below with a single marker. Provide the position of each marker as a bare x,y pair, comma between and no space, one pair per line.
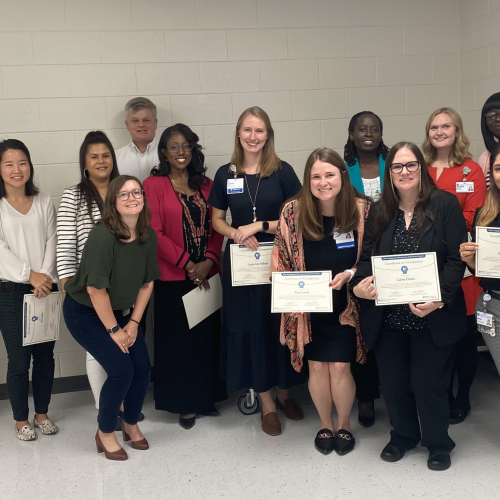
366,379
19,358
128,374
414,375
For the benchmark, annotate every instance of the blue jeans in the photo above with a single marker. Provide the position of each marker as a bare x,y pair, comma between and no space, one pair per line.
128,374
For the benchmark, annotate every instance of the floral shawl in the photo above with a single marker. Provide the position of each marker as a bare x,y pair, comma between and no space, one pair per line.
288,255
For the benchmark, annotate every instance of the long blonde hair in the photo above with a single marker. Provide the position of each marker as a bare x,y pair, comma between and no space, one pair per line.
270,161
492,203
459,152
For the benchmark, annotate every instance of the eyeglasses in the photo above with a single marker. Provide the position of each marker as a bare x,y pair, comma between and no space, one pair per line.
176,148
492,115
411,166
125,195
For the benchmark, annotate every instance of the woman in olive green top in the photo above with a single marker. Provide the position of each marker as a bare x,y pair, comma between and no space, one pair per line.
116,273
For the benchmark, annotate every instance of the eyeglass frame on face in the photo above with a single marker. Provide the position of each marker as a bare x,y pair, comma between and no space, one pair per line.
493,115
402,166
176,148
128,193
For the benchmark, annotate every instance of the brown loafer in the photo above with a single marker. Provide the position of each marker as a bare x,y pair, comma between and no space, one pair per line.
271,423
291,409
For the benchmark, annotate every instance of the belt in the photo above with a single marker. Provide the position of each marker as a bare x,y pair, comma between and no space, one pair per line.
10,286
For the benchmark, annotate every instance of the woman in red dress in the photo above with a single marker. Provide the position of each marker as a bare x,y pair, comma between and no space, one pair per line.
446,150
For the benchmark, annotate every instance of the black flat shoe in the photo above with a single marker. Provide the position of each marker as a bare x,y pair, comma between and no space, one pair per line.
325,441
457,415
439,462
187,423
213,412
367,421
344,442
392,453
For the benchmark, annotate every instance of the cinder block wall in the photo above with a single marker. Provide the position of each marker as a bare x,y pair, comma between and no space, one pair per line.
69,66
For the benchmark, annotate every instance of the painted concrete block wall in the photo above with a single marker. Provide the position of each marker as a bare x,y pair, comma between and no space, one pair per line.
311,64
479,63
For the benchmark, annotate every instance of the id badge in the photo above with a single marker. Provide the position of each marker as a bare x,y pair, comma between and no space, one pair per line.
465,187
485,323
344,240
234,186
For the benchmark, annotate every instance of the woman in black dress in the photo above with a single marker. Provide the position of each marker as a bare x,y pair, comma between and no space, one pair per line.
252,354
321,230
186,360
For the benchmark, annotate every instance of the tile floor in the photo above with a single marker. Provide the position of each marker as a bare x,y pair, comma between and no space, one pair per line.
230,457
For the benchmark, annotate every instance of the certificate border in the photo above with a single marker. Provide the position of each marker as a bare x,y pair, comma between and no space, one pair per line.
25,319
477,272
267,282
302,273
406,255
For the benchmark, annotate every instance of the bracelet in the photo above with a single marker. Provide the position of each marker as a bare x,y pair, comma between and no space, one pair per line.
351,272
134,321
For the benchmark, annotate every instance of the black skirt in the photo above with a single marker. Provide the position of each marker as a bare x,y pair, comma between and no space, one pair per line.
252,355
186,362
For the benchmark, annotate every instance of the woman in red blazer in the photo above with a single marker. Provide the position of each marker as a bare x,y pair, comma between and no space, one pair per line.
186,361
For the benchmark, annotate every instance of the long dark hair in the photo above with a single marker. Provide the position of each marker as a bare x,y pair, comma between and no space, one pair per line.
346,210
493,102
196,168
88,192
29,188
350,152
388,204
111,217
492,203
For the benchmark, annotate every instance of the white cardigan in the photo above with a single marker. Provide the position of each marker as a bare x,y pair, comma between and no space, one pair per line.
28,242
73,227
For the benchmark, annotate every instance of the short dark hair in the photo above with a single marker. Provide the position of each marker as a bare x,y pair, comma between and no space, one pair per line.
196,168
88,192
111,217
29,188
350,152
493,102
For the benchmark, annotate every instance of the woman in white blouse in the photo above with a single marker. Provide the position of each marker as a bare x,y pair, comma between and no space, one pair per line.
79,211
27,265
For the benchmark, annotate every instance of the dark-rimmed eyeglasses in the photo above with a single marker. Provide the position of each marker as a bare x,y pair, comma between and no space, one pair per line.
492,115
411,166
176,148
125,195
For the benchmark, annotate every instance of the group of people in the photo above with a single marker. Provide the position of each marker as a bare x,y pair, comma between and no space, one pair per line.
147,219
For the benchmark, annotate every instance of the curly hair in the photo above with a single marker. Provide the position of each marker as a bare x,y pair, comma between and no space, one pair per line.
350,152
493,102
459,152
196,168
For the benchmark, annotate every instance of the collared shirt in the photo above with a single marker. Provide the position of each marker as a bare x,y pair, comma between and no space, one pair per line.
132,162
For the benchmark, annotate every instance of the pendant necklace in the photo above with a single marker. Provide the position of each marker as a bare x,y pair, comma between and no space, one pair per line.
255,199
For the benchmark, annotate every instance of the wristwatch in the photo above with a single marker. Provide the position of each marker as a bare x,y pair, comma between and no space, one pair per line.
113,329
265,227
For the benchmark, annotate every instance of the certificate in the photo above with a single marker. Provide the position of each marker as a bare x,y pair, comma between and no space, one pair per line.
411,277
200,303
302,291
488,252
41,318
251,267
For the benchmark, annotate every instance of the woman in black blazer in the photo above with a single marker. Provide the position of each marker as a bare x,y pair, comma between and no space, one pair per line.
414,344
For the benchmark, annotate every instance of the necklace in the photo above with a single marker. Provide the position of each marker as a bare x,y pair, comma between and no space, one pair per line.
177,187
409,212
254,199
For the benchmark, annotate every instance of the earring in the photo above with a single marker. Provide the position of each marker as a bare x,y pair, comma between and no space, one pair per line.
392,186
86,173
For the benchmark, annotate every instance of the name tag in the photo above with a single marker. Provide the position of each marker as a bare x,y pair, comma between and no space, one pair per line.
344,240
484,319
465,187
234,186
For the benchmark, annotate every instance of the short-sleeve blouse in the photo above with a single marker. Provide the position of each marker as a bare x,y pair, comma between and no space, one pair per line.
272,192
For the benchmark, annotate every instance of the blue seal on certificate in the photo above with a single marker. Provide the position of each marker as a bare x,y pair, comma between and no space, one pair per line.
404,269
301,284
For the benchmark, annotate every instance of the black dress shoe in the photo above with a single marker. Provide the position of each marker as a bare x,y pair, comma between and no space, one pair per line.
213,412
325,441
392,453
457,415
367,421
439,462
344,442
187,423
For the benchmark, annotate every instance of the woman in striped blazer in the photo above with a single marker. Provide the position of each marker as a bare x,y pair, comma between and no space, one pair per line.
80,209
